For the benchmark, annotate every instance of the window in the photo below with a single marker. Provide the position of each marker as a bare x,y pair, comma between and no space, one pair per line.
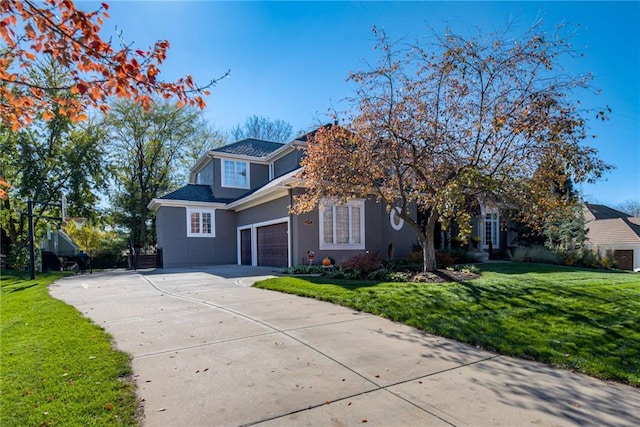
342,226
491,230
200,223
205,175
235,174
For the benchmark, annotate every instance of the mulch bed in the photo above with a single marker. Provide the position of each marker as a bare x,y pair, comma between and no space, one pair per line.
442,276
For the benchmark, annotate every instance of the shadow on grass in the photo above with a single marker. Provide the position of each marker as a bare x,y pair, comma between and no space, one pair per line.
539,268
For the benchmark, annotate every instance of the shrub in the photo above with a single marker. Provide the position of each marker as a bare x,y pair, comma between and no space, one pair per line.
471,269
444,259
363,264
379,275
304,269
399,276
415,257
535,254
590,259
109,258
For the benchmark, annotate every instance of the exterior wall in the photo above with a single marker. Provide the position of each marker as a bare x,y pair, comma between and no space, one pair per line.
258,176
178,250
266,212
602,250
378,236
287,163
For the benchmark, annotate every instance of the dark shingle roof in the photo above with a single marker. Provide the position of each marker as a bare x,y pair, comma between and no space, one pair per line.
605,212
194,193
250,147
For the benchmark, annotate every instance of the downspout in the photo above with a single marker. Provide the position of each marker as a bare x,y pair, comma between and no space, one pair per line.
291,227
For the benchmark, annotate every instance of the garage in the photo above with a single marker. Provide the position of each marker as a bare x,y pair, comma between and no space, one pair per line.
272,245
624,259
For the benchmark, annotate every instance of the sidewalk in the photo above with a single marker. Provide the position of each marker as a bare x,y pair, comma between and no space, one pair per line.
208,350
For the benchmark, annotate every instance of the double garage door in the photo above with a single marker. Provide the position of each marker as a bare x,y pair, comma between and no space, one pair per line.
272,245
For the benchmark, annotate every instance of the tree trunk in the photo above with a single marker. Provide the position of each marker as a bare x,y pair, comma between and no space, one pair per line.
428,248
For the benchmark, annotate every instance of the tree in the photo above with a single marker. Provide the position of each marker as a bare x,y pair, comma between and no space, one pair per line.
57,30
263,128
148,149
631,207
442,127
49,158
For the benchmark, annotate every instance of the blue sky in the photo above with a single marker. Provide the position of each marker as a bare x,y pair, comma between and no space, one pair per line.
290,60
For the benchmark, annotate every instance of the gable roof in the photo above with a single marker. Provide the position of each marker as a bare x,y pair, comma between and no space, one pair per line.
613,231
250,147
603,212
607,226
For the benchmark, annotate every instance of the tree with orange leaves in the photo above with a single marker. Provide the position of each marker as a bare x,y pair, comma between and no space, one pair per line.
439,129
30,30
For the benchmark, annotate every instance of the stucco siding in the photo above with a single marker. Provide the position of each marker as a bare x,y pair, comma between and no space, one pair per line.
269,211
378,236
286,164
178,250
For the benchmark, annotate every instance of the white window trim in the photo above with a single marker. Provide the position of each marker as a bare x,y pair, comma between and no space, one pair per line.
232,185
325,204
201,211
271,171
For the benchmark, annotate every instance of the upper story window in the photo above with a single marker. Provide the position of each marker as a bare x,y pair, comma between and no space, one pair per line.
205,175
200,222
342,226
235,174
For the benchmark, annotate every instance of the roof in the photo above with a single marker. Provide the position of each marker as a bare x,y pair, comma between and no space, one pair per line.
250,147
602,212
194,193
613,231
607,226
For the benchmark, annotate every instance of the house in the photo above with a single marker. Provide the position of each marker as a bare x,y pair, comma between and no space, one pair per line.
615,233
235,210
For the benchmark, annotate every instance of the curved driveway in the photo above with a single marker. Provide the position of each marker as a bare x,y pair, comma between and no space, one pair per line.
209,350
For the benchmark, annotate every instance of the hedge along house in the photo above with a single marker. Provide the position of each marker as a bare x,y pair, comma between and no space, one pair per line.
235,210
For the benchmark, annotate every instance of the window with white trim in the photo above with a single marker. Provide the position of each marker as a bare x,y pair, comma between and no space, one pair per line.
235,174
342,226
491,230
200,222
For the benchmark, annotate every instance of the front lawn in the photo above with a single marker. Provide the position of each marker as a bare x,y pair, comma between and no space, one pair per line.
56,367
587,320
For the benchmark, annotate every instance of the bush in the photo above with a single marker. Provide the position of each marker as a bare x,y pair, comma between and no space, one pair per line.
399,276
535,254
590,259
470,269
363,264
108,258
380,275
304,269
444,259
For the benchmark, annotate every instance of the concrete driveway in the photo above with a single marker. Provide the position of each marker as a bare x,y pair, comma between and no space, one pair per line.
209,350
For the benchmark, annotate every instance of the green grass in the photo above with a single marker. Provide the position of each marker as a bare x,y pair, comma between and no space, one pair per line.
56,367
586,320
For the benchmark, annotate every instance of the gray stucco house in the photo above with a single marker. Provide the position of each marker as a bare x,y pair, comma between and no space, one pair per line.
235,210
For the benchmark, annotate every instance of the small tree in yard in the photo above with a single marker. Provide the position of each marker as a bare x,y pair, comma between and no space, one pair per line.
441,127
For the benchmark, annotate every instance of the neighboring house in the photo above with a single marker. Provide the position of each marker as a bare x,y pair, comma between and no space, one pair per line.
59,243
615,233
235,210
